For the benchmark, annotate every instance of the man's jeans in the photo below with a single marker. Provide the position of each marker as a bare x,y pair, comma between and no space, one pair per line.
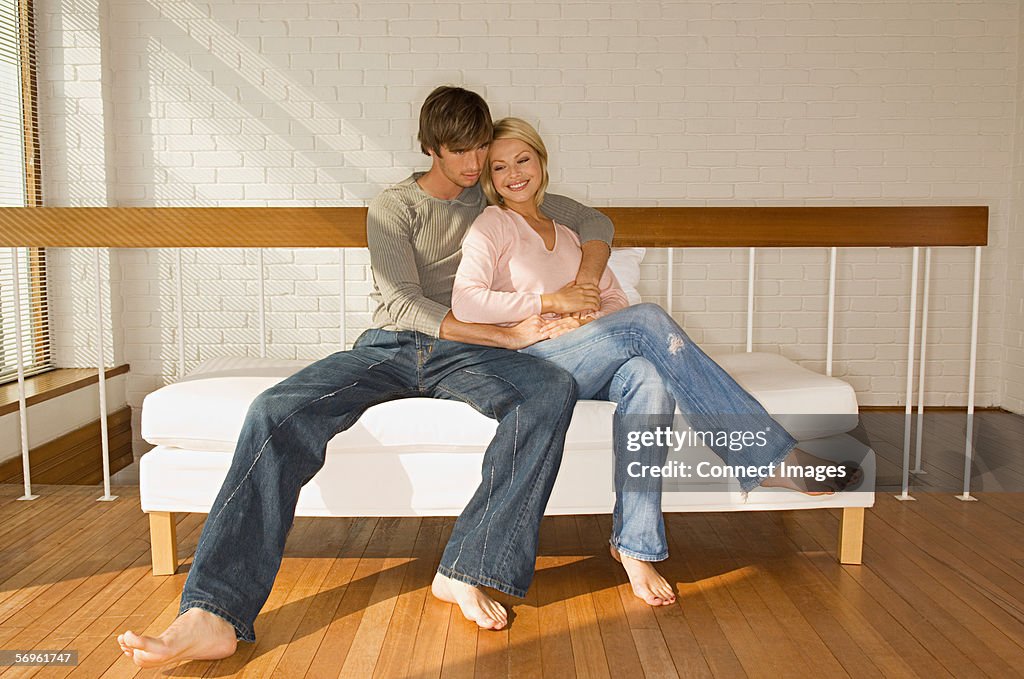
284,438
596,355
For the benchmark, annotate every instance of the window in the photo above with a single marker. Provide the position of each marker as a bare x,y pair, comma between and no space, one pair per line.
20,187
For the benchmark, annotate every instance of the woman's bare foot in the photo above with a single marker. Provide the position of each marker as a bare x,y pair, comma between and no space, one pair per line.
645,579
196,634
475,605
810,484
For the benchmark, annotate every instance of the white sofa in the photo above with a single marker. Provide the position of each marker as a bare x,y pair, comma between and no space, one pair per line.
423,456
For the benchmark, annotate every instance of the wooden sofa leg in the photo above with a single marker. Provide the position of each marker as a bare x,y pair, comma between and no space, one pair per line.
163,542
851,536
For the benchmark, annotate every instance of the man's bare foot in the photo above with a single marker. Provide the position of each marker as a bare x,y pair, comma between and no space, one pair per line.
810,484
475,605
196,634
645,579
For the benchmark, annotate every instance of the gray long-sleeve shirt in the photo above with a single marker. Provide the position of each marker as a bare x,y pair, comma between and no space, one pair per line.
415,243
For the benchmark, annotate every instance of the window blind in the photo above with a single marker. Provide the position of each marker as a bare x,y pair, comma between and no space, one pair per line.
19,188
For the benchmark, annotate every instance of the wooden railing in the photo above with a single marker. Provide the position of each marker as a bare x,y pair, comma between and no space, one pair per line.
280,227
663,227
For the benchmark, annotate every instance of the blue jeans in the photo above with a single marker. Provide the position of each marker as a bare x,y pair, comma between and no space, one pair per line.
708,397
284,439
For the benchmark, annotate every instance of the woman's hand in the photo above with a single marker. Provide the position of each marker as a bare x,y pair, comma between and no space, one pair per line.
571,298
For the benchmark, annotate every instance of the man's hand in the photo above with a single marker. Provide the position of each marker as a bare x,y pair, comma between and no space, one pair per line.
572,298
559,326
527,332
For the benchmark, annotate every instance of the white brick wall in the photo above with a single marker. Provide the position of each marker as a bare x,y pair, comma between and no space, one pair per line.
1013,335
641,103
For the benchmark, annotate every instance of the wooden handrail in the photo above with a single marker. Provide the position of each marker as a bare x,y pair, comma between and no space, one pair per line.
278,227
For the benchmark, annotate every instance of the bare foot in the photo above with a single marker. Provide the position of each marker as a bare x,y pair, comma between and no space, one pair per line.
809,484
645,579
475,605
196,634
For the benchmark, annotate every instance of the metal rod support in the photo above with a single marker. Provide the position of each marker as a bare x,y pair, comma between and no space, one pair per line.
261,277
969,443
750,300
831,310
179,302
342,327
19,347
669,275
905,495
101,362
924,353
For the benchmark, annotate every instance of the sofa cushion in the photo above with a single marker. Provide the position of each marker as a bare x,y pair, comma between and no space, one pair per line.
205,410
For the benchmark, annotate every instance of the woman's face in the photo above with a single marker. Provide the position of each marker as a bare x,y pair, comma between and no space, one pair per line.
515,170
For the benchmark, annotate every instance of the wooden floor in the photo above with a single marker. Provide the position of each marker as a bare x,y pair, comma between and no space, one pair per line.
998,450
940,594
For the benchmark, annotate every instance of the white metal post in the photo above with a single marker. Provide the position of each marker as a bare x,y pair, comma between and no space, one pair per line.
669,275
831,309
905,495
342,329
179,301
101,361
261,275
969,444
750,301
924,365
22,406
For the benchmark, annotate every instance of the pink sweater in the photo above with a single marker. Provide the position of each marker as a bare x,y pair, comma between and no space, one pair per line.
506,267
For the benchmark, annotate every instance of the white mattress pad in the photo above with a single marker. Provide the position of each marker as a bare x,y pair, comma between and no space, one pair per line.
205,410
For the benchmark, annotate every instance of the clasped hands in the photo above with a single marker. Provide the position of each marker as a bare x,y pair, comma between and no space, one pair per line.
575,304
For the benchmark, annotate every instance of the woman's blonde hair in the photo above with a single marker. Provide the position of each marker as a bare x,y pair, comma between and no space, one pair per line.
516,128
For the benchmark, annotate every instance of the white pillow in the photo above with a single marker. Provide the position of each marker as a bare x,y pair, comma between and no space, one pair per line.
625,264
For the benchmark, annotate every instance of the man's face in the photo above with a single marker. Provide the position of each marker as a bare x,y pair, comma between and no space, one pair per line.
461,167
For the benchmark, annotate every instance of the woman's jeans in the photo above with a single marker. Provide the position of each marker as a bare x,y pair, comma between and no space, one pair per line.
283,442
706,395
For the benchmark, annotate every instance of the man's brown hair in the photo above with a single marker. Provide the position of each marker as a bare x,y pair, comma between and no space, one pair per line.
455,118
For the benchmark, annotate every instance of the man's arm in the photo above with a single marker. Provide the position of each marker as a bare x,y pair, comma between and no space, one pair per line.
595,231
523,334
393,264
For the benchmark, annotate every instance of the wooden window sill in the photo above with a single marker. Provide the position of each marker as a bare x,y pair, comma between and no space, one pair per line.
52,384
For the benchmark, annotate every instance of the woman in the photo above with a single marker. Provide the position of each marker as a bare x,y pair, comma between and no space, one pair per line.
517,263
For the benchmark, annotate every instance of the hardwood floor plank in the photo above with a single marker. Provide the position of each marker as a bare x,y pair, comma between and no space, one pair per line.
787,631
459,660
946,597
893,571
331,655
598,575
394,658
376,619
344,542
427,657
551,584
717,651
817,600
587,646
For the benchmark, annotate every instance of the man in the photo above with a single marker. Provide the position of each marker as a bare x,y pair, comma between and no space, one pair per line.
416,348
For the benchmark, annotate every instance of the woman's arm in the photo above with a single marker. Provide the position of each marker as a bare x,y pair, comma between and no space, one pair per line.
473,300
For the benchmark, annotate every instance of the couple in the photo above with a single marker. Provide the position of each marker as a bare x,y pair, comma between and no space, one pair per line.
637,357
